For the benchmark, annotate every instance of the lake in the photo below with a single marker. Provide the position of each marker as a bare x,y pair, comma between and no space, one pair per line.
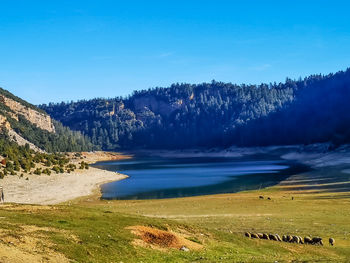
154,177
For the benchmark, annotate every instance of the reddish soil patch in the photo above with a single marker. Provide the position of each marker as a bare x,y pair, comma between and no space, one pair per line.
160,239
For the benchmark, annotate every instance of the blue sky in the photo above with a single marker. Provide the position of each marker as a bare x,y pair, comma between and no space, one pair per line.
68,50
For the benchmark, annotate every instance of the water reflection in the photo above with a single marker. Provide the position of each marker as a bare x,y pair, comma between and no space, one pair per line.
179,177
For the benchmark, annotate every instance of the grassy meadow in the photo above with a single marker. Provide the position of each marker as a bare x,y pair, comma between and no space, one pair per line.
93,230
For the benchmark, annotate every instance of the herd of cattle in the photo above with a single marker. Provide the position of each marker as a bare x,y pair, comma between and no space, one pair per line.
290,239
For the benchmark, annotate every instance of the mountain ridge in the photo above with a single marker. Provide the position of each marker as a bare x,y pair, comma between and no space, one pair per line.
216,114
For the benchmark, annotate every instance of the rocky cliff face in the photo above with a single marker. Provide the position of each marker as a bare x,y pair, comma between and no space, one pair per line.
41,120
4,123
156,106
15,137
24,123
6,127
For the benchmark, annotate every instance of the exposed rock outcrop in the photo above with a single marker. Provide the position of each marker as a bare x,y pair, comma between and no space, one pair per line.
4,123
156,106
14,136
41,120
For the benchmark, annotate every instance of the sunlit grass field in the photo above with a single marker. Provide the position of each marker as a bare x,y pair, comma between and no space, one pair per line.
90,230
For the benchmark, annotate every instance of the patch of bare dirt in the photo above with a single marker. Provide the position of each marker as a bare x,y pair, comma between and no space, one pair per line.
96,156
160,239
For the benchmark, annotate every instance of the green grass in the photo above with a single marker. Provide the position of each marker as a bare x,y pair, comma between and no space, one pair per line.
218,222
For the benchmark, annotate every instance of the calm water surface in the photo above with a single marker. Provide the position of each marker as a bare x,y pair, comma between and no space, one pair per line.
179,177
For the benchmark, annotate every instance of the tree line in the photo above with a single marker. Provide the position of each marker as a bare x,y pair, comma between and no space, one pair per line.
216,114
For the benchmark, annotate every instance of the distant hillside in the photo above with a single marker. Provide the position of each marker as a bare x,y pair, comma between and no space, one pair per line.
25,124
314,109
319,113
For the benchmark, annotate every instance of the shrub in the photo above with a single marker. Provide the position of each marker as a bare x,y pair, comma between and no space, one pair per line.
38,171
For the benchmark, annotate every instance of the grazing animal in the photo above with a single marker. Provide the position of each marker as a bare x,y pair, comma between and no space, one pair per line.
296,239
331,241
273,237
2,199
253,235
266,236
261,197
292,197
289,238
247,234
260,235
301,240
278,237
284,238
268,198
307,240
317,241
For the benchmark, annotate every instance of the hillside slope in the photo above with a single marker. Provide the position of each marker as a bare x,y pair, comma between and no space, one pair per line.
314,109
23,123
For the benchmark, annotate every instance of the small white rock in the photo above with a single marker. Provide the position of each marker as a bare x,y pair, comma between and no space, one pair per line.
183,248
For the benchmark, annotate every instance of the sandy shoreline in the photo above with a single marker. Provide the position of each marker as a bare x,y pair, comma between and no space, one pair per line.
58,188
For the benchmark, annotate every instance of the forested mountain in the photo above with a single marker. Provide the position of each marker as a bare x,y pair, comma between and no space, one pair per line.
23,124
319,113
314,109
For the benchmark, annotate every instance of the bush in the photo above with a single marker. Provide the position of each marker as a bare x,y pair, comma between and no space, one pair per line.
38,171
56,169
46,171
84,165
